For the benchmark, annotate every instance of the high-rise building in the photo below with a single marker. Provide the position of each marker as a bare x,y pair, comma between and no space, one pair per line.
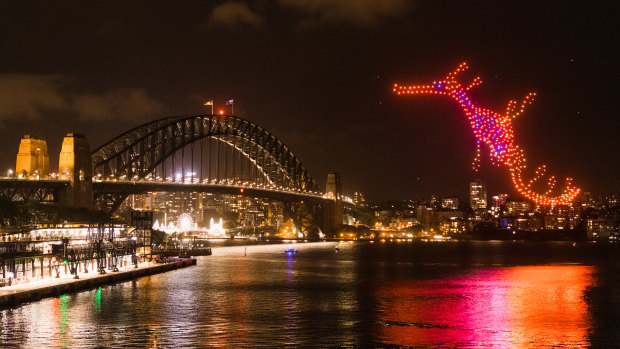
477,194
32,158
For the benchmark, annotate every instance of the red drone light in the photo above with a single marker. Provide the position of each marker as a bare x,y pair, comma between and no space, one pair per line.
495,131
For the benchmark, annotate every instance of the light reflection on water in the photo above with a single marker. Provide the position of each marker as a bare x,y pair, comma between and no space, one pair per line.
525,306
456,295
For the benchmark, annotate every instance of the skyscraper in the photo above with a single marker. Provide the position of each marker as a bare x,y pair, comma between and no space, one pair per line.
477,194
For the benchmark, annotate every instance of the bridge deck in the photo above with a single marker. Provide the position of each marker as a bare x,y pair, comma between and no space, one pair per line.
140,187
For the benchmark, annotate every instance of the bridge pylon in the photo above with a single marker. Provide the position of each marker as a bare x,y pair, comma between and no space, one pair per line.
75,166
334,212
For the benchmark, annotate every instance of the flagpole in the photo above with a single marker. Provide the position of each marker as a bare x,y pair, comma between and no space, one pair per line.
210,103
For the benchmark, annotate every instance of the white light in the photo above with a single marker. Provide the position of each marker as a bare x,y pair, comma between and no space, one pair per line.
185,222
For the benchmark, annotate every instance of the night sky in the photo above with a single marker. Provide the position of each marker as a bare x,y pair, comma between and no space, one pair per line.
318,75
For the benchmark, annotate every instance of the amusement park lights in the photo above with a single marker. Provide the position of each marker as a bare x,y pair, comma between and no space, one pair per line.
495,131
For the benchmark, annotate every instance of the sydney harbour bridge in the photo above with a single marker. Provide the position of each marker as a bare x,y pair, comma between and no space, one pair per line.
205,153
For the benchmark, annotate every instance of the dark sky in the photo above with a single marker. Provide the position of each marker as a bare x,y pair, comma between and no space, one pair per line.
318,73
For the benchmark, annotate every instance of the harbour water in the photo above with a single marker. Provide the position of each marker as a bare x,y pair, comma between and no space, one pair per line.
433,294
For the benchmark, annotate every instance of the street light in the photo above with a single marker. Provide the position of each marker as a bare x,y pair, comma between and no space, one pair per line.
10,172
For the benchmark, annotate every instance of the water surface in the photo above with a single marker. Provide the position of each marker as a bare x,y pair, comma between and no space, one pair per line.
456,294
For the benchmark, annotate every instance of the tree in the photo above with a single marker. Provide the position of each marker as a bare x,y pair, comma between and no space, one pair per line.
8,213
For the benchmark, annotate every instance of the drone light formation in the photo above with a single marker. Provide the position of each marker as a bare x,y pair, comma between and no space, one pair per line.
495,131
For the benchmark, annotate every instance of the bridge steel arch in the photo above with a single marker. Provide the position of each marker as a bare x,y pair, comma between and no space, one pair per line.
136,153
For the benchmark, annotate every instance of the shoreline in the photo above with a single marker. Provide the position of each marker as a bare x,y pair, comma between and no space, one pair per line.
32,291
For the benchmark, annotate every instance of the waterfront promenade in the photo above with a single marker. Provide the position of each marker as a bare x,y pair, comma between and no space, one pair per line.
51,287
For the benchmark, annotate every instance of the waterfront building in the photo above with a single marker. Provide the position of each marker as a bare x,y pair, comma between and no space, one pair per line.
451,221
598,228
42,251
528,222
426,216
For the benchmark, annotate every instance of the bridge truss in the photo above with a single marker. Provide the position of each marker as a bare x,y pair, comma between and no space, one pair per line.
205,153
21,190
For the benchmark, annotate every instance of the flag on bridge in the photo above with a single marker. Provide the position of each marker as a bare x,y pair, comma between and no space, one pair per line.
229,102
210,103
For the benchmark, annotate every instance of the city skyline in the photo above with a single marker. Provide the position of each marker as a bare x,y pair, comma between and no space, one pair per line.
309,173
320,79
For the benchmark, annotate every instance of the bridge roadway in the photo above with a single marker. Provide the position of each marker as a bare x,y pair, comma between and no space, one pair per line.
142,187
50,189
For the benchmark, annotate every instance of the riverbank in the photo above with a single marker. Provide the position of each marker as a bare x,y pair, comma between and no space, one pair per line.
32,291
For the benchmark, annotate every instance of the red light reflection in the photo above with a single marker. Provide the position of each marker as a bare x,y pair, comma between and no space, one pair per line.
529,306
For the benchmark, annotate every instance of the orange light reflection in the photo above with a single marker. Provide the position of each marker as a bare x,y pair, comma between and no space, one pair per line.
529,306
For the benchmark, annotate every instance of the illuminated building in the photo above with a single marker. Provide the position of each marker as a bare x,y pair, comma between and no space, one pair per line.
237,210
426,216
32,158
586,199
494,131
217,229
450,203
477,195
612,201
517,207
451,221
43,250
359,200
46,235
529,222
498,200
600,228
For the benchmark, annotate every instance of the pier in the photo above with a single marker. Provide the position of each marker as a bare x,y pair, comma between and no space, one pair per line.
53,287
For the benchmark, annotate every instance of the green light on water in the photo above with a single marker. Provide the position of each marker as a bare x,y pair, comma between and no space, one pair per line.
98,300
63,306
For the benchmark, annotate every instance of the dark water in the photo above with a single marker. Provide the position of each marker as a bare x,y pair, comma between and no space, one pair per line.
457,294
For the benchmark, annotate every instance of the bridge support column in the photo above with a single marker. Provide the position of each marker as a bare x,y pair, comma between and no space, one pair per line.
334,212
75,165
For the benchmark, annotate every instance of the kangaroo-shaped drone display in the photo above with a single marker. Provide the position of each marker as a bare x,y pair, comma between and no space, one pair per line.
495,130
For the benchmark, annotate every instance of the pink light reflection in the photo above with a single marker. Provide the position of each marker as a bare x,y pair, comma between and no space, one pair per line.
529,306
